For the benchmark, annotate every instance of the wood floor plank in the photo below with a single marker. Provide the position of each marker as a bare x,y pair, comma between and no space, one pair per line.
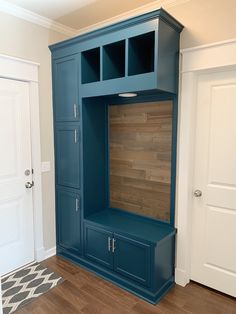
109,301
85,293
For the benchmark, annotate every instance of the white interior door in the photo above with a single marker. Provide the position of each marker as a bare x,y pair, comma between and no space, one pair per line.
213,260
16,209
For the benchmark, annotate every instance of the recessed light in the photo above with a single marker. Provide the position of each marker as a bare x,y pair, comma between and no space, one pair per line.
128,95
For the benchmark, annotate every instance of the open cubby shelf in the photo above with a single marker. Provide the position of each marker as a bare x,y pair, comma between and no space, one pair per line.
90,61
140,59
141,54
114,60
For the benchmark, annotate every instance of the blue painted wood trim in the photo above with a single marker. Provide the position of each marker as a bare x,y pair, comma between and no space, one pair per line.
149,96
134,83
170,231
107,159
161,14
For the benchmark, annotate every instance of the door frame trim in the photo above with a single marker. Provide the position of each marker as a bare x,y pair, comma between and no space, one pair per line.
211,58
27,71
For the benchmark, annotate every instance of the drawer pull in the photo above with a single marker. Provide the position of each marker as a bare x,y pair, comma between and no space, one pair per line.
75,136
113,245
75,111
77,204
109,244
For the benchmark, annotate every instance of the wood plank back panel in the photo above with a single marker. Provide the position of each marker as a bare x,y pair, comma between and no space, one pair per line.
140,158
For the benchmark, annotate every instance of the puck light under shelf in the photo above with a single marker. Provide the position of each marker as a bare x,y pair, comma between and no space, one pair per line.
127,95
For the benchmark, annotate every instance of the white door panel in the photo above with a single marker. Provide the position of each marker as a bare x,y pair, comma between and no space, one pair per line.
16,211
214,215
222,150
219,240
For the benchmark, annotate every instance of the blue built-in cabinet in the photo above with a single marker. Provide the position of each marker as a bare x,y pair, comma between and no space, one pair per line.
139,55
67,140
111,249
68,211
66,89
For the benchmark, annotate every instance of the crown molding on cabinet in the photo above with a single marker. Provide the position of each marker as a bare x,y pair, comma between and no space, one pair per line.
32,17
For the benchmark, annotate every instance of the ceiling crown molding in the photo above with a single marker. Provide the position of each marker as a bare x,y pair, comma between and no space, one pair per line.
32,17
132,13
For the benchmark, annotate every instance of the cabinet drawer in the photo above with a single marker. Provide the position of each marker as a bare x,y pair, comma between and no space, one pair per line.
97,243
68,219
132,259
68,155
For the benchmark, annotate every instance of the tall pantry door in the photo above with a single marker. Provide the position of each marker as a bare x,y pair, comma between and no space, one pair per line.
16,208
213,261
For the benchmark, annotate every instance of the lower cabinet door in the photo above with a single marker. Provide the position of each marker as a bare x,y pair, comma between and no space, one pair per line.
68,219
132,259
98,246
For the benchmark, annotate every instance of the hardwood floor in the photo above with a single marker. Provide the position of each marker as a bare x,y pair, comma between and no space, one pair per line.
84,292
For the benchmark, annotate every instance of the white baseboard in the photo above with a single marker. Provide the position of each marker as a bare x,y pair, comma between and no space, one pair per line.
181,277
42,254
17,269
51,252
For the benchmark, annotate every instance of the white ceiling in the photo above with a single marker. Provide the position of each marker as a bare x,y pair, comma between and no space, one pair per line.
51,9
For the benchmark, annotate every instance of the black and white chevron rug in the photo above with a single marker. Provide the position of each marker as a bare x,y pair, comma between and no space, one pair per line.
25,285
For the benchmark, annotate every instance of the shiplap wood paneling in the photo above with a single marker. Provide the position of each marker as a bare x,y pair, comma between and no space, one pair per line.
140,158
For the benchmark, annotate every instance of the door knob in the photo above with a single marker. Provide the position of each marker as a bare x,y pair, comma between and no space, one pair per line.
29,185
197,193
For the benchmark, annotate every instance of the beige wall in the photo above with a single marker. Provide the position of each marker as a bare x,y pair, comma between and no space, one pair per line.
29,41
206,21
99,10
